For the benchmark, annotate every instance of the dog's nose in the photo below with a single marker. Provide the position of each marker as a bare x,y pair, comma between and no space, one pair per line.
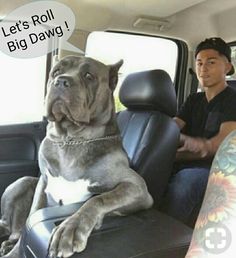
63,82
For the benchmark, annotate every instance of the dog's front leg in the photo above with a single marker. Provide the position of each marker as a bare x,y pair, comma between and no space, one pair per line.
40,198
15,203
72,234
39,201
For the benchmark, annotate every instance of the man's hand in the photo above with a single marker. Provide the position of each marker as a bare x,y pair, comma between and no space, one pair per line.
195,148
199,146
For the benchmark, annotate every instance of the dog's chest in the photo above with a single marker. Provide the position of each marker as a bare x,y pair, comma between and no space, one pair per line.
62,190
73,161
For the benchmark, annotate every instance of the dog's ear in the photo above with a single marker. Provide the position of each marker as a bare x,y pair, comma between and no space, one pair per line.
55,60
113,74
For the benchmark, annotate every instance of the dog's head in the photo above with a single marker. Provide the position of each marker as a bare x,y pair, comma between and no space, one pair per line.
80,89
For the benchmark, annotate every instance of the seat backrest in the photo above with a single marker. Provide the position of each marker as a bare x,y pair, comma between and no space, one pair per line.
149,134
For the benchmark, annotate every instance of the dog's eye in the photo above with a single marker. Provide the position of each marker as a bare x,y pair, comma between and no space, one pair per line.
88,76
56,72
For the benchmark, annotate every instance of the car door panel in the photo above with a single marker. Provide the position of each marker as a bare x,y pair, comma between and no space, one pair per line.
19,146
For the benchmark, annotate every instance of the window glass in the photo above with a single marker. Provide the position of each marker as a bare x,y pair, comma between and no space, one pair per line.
138,52
233,59
21,89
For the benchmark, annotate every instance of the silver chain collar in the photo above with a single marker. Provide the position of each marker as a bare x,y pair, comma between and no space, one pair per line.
71,142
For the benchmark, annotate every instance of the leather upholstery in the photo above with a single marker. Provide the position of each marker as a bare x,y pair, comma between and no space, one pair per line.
149,134
149,90
145,234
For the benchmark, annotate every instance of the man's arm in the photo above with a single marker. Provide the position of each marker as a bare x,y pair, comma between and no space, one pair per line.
181,124
200,148
215,230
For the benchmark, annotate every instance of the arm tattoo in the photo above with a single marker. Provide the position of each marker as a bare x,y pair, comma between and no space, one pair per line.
213,234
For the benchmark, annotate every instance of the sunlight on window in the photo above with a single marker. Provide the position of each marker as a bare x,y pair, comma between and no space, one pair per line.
139,53
233,56
21,89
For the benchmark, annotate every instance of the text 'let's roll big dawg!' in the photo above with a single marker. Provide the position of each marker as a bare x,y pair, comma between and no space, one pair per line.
33,38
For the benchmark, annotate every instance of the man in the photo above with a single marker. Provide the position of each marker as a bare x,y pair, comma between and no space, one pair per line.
205,119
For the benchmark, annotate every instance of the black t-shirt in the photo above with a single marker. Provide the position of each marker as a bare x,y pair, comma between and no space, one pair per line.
203,118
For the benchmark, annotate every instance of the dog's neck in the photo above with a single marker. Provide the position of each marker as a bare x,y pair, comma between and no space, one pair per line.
67,131
73,142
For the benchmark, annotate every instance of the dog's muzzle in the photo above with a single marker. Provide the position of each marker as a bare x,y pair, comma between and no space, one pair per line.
63,82
59,98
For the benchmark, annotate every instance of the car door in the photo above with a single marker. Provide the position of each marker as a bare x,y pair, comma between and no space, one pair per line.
19,146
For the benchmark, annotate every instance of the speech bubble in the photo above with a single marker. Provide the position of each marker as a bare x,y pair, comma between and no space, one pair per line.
36,29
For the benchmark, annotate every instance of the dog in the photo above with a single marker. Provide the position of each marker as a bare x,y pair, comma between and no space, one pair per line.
82,154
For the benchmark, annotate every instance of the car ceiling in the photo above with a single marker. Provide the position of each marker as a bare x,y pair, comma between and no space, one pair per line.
190,20
153,7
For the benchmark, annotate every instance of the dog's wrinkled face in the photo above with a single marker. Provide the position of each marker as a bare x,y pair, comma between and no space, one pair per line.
80,90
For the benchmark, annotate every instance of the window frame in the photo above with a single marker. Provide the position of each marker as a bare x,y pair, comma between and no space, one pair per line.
181,64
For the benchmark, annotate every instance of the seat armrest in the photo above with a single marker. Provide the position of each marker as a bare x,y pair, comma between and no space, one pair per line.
144,234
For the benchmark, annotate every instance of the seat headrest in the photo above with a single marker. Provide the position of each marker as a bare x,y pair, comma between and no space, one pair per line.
149,90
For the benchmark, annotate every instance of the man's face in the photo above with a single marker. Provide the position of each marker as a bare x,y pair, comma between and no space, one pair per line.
211,68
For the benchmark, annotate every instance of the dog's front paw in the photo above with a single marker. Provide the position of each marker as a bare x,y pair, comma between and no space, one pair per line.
7,246
71,235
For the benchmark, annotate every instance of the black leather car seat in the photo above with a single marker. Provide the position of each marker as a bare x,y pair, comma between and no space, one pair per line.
149,134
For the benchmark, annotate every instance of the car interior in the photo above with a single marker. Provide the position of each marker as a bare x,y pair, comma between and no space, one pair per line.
149,96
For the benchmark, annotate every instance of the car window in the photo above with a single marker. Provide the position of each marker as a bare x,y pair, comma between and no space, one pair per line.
139,53
233,59
21,89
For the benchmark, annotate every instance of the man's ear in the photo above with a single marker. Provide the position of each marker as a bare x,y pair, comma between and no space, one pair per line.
228,67
113,74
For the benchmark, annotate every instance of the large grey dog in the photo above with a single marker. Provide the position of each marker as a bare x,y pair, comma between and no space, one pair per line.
81,159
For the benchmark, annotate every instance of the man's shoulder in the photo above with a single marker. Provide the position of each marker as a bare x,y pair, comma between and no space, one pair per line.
199,94
196,96
230,91
229,96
